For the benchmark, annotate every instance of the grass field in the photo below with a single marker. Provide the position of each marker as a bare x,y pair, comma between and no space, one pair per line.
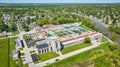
4,53
103,39
109,59
83,26
12,47
79,58
74,47
4,60
15,32
47,56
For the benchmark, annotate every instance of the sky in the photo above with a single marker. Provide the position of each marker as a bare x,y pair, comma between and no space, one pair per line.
59,1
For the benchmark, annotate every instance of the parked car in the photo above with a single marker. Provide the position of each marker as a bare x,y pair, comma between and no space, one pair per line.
23,59
56,59
47,63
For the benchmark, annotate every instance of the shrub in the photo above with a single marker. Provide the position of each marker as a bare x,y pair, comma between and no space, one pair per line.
87,40
112,47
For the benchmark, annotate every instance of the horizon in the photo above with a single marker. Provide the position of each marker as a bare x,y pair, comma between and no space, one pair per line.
60,1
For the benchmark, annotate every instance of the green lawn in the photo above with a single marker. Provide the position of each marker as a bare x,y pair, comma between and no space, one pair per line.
109,59
12,47
79,58
74,47
22,54
32,51
103,39
4,53
47,55
15,32
83,26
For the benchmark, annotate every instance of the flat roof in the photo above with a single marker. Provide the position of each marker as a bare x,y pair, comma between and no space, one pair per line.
30,42
80,36
67,31
42,46
34,57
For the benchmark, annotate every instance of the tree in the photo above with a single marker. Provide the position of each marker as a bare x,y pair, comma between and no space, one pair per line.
3,27
42,15
87,40
113,47
36,17
28,20
1,20
26,37
13,27
115,29
106,21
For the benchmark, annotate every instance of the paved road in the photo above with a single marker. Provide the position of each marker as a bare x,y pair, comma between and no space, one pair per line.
26,50
62,56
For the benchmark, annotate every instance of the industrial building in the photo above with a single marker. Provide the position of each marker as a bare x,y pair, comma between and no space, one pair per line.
54,37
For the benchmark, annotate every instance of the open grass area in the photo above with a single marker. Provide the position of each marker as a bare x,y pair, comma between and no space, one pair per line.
79,58
4,53
32,51
15,32
83,26
12,47
4,59
22,54
103,39
74,47
109,59
47,56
